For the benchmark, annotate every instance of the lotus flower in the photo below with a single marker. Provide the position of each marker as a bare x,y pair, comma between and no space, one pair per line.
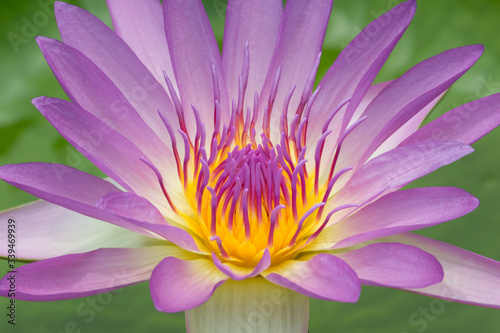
232,179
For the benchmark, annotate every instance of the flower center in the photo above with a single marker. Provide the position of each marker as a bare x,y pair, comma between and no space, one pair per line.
254,199
246,200
247,196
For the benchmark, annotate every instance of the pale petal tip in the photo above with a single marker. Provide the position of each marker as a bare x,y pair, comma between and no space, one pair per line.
39,101
41,40
412,4
475,51
46,44
405,9
61,5
469,201
5,171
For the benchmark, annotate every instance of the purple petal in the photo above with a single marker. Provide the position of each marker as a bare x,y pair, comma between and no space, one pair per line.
467,123
108,150
117,61
255,22
94,92
324,277
403,99
64,186
80,275
177,285
130,206
395,169
194,50
370,95
468,277
394,265
301,37
79,191
56,181
137,211
408,129
140,24
398,212
314,127
239,273
404,131
357,66
49,231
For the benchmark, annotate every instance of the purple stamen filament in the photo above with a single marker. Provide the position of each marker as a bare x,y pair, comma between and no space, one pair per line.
248,196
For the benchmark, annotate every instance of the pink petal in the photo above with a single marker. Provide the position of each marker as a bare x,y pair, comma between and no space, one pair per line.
239,273
357,66
193,51
468,277
324,277
65,186
94,92
55,181
408,129
140,24
394,265
395,169
117,61
403,99
80,275
137,211
467,123
302,32
111,152
370,95
404,131
89,195
398,212
372,92
130,206
49,231
177,285
255,22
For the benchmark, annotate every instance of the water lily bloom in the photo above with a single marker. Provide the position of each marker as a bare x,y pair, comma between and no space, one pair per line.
233,181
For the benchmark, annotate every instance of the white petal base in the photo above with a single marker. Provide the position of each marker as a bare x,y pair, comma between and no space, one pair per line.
251,306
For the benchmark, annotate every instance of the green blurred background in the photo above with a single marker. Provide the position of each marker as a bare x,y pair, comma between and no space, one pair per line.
438,25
